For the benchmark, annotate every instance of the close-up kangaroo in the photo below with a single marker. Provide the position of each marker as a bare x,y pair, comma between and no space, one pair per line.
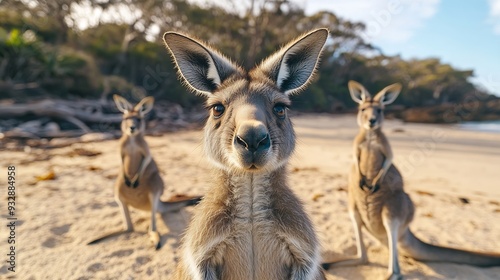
377,200
250,225
139,183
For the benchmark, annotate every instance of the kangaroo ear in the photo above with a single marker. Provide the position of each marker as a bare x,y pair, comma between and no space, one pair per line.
292,67
388,94
121,103
358,92
201,68
145,105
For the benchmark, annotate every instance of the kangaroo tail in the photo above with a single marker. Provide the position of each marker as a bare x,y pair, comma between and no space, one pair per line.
178,204
419,250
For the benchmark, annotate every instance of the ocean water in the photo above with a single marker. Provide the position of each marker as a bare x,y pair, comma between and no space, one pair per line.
487,126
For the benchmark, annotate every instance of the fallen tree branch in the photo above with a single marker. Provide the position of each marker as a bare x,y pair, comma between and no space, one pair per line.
47,108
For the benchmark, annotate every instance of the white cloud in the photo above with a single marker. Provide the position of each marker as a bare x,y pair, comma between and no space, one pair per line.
387,20
495,15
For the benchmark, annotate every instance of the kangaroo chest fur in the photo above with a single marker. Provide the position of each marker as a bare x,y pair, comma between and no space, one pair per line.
250,199
132,158
252,225
371,157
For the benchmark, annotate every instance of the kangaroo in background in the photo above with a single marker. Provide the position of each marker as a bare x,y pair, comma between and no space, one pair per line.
139,183
250,225
377,200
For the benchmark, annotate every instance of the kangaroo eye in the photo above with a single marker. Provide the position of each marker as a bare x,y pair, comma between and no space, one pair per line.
362,110
280,110
218,110
379,110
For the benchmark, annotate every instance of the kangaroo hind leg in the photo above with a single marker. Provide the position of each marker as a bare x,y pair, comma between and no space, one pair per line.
391,226
154,235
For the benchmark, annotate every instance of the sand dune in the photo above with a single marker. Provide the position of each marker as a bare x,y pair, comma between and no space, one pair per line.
452,176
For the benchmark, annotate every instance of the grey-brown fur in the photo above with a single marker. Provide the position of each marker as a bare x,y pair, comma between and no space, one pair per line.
139,183
377,200
249,225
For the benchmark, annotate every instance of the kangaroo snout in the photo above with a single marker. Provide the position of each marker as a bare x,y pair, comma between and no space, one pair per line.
252,142
252,136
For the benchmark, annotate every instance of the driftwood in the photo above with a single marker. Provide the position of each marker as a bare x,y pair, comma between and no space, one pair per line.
43,124
73,112
48,114
19,134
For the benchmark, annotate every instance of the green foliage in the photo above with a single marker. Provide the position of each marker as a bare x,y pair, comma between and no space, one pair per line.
103,41
56,70
45,27
70,72
21,58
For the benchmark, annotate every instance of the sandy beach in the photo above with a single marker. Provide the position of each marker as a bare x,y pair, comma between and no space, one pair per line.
452,176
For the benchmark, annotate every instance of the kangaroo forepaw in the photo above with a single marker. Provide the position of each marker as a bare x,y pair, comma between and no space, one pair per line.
362,183
127,182
132,184
154,236
374,188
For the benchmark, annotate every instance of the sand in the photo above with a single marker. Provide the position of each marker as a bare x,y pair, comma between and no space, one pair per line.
452,176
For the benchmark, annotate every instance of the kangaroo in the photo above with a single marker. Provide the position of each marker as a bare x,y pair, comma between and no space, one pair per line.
249,225
139,183
377,199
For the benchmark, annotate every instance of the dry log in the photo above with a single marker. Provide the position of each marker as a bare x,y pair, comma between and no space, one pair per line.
19,134
83,114
62,110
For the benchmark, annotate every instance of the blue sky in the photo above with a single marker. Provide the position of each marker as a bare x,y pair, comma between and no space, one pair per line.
464,33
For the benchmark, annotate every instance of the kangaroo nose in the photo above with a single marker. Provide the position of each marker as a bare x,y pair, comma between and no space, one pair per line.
132,128
253,137
372,121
